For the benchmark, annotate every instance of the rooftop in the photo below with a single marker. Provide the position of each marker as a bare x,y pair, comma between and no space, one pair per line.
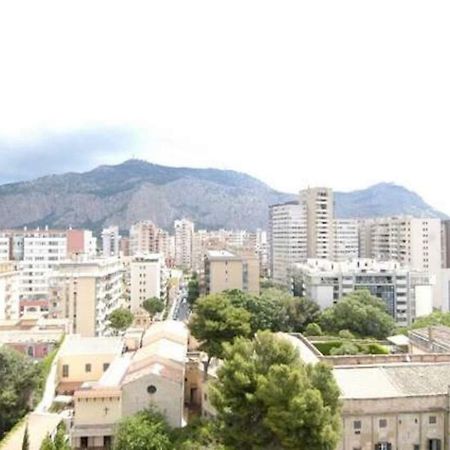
78,345
221,254
439,335
402,380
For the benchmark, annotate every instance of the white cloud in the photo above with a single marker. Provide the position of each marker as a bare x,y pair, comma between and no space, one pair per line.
339,93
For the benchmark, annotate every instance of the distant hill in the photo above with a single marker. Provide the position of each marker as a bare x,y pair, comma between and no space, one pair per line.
212,198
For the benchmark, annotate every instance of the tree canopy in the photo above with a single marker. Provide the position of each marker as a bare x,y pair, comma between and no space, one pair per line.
215,321
145,430
153,306
193,289
266,397
120,319
19,377
435,318
360,313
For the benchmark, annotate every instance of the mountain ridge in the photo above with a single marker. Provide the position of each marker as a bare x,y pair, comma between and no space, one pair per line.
213,198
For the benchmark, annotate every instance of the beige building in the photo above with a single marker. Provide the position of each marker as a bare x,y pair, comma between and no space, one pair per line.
225,270
9,291
85,359
86,292
153,376
319,204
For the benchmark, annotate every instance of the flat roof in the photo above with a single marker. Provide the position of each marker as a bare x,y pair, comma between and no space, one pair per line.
221,254
306,353
395,380
78,345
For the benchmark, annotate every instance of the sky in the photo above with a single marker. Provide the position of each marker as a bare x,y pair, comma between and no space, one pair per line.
337,93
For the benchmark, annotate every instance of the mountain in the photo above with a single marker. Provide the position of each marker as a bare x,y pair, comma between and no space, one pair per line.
212,198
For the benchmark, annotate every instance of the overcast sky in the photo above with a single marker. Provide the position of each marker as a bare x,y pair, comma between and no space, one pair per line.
336,93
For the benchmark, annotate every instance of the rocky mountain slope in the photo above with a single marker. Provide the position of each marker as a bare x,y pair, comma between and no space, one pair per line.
136,190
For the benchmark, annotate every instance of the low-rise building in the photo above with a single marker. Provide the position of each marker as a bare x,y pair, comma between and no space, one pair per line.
153,376
85,359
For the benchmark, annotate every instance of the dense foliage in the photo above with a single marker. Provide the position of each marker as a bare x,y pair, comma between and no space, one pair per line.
435,318
153,306
267,398
60,442
120,319
193,289
146,430
19,377
360,313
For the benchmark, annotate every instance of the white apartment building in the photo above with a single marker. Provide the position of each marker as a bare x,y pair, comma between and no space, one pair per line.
148,278
9,291
288,238
407,293
345,239
184,234
86,291
110,241
319,204
414,242
4,248
42,252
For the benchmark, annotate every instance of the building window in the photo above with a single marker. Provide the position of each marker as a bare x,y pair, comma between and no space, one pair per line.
357,425
434,444
205,396
151,389
84,442
432,420
65,370
87,368
383,446
416,447
105,367
382,423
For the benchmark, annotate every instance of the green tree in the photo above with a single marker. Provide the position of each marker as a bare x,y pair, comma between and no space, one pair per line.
275,310
146,430
346,348
215,321
120,319
435,318
267,398
360,313
197,435
313,329
26,439
19,377
193,289
153,306
47,443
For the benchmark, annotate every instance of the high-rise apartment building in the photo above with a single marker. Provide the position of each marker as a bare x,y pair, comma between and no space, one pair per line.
184,234
81,242
5,248
445,243
85,292
110,242
345,239
319,206
43,250
148,279
288,238
414,242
